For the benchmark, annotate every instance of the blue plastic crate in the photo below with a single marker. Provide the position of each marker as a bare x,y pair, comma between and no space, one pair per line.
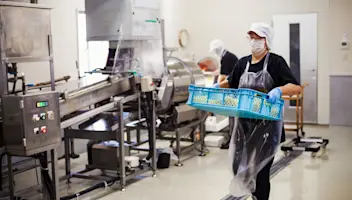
244,103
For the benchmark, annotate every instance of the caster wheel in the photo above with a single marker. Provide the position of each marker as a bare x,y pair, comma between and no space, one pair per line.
178,164
286,153
314,155
74,156
202,154
123,189
303,133
154,175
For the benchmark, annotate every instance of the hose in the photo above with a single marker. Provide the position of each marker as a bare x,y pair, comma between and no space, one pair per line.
104,184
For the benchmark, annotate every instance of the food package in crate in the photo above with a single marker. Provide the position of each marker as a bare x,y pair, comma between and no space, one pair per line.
244,103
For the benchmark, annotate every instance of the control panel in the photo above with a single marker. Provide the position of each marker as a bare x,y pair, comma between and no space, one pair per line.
31,123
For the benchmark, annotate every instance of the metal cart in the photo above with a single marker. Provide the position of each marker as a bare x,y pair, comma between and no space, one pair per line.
300,143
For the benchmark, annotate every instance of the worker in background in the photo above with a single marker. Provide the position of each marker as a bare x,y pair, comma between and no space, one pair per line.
266,72
228,62
227,59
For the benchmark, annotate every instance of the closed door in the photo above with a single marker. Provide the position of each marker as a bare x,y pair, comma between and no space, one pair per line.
295,40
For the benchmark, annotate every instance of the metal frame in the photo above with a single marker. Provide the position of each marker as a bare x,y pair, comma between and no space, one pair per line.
117,135
300,143
137,125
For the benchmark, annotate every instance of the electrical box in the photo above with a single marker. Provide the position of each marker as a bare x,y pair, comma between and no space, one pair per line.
147,84
31,123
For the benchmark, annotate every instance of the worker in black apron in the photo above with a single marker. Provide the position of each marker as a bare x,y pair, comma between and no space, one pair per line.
228,62
254,142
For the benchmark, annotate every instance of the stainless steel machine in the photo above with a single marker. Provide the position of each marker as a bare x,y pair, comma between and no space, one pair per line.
138,79
180,122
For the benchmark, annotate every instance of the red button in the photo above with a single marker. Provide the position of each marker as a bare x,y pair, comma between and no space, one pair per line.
43,129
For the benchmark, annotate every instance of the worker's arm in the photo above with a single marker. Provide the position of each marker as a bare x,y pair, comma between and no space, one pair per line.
290,89
290,85
221,78
224,84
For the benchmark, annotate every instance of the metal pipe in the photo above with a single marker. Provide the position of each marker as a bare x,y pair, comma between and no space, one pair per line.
139,119
10,174
52,72
162,26
64,78
153,124
67,158
121,152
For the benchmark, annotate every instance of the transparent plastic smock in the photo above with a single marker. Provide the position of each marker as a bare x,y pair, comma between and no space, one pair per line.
254,142
253,145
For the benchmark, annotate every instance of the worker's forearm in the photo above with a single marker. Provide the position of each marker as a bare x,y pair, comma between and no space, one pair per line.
221,78
224,84
291,89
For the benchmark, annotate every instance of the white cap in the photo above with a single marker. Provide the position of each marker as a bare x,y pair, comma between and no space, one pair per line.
216,44
263,30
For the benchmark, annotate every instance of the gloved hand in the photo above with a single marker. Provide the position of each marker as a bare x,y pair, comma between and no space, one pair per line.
274,95
216,85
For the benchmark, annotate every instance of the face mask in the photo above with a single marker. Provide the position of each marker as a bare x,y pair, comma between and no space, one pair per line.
219,51
257,46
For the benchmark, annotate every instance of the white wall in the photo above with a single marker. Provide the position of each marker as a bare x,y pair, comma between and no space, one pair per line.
64,29
229,20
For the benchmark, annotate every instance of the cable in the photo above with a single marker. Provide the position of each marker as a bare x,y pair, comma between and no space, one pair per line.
104,184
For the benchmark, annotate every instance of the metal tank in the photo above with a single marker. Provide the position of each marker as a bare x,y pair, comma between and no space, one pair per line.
184,73
173,93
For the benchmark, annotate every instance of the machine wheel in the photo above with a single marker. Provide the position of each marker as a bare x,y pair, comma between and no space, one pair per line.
74,156
154,175
287,153
123,189
178,164
202,154
314,154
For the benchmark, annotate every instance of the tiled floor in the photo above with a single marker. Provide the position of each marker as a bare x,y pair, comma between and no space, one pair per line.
323,178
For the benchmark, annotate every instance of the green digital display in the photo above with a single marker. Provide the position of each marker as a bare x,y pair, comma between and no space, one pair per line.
42,104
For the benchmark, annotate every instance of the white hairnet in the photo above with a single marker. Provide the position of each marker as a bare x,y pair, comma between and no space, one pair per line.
263,30
217,46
